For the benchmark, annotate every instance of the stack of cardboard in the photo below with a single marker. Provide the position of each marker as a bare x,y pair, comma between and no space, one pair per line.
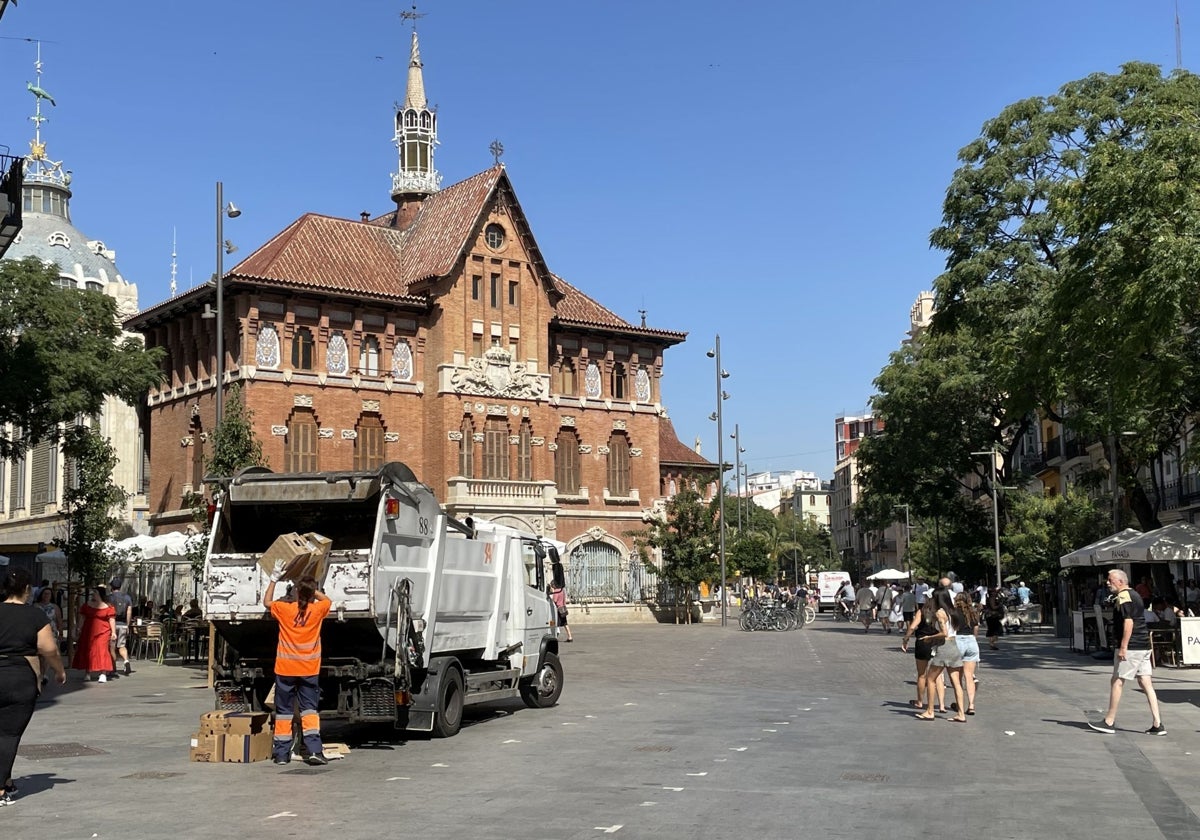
302,556
238,737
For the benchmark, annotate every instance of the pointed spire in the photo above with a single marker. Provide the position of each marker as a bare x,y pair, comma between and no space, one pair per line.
415,95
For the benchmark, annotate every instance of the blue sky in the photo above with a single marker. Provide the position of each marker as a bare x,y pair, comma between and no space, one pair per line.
769,171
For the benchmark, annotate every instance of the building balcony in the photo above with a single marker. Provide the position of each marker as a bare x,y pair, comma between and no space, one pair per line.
494,493
1053,452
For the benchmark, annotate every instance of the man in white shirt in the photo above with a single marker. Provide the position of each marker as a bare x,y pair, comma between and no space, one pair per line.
921,591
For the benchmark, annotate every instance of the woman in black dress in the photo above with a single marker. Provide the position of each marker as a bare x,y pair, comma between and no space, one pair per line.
25,635
993,616
922,627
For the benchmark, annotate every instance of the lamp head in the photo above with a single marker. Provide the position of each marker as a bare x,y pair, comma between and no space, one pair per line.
724,395
724,374
711,354
230,247
232,211
713,417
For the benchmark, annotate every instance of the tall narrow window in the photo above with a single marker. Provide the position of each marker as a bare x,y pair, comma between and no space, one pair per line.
514,293
368,443
466,449
476,283
566,462
196,432
477,346
302,349
619,386
143,478
618,465
300,448
495,448
566,377
525,452
18,478
40,472
368,359
495,291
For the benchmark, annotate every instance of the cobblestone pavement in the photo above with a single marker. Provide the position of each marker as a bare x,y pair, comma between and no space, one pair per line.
663,732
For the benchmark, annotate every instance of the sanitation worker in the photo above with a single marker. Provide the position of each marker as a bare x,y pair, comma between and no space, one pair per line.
297,664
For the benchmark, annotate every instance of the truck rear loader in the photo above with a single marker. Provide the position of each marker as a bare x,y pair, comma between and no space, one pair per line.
427,614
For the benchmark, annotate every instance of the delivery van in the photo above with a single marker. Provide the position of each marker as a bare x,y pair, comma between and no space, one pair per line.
828,584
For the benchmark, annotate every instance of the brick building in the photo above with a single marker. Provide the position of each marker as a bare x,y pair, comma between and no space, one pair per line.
432,334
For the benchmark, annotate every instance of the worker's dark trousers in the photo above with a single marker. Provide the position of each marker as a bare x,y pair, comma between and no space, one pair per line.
290,693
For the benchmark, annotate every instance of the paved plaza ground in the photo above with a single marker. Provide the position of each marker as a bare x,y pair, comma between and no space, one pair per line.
662,732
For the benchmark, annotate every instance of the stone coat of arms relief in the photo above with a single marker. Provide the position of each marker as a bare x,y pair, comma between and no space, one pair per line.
497,375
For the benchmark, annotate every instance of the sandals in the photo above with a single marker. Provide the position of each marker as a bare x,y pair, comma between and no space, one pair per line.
925,717
971,710
957,720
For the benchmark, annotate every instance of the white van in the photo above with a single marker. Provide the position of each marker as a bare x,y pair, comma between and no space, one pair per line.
828,584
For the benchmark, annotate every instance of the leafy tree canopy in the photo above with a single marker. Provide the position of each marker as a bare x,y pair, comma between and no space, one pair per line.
61,354
93,501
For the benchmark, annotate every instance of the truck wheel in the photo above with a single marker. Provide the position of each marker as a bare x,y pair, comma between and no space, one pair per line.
542,690
449,716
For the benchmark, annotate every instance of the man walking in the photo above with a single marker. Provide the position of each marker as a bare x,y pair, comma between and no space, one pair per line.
1132,657
123,604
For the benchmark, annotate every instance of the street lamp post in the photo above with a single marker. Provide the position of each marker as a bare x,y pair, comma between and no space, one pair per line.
223,247
718,415
995,512
737,471
907,536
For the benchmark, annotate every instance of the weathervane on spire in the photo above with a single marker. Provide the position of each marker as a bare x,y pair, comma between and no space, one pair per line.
37,165
412,15
497,150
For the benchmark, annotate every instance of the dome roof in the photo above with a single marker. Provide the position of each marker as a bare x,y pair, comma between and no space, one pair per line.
52,238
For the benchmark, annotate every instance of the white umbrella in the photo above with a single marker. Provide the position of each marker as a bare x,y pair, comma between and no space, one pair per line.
170,546
888,574
1178,541
1086,556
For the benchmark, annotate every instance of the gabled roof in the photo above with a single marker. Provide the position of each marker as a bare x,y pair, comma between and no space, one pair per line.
579,310
674,453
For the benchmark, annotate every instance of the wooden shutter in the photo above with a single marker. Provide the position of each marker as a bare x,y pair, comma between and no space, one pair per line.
39,482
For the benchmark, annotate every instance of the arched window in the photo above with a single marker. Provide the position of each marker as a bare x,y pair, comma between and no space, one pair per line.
619,382
300,447
302,349
525,452
566,462
618,465
368,443
368,358
495,448
466,449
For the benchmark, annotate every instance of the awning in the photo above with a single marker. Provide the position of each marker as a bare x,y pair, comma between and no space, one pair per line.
1179,541
888,574
1086,556
170,547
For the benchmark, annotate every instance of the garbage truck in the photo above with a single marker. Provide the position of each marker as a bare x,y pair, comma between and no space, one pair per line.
428,614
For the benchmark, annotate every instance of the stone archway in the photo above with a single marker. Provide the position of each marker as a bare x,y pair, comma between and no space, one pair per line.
600,569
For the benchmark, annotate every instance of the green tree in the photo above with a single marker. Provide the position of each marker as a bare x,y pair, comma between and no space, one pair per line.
1041,529
750,554
61,354
235,447
686,539
93,502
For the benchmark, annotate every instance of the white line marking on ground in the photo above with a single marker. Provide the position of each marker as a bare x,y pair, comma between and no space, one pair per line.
590,717
1009,732
272,817
439,764
720,759
511,741
609,829
781,723
698,774
770,730
738,749
807,709
631,704
647,804
672,788
570,723
399,779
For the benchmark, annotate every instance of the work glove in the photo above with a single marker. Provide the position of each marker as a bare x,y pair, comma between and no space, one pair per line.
279,571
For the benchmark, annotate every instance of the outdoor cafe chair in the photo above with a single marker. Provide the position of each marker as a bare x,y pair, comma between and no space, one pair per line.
150,635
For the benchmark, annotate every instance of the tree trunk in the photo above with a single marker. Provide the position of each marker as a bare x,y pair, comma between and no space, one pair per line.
1143,508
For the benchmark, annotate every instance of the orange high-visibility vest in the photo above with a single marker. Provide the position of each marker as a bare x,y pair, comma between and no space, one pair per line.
299,651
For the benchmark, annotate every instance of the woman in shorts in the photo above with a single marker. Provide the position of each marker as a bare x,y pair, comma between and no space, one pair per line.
923,627
946,656
968,646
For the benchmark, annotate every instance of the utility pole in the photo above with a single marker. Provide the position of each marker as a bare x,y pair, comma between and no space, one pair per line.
995,511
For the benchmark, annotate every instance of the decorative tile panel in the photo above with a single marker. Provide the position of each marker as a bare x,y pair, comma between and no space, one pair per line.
279,431
325,433
370,405
618,425
567,420
585,449
302,401
591,381
537,441
477,437
337,355
641,385
601,450
266,347
454,435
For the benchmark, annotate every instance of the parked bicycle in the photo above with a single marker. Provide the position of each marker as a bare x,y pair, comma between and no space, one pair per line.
773,615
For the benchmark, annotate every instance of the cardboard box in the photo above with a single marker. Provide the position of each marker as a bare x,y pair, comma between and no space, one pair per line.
208,747
295,552
320,556
214,723
244,749
246,723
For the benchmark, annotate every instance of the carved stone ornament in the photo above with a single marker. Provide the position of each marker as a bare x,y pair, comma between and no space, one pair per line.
370,405
204,437
279,431
567,420
325,433
537,441
585,449
497,411
302,401
618,425
641,385
196,410
497,375
349,434
591,381
477,437
635,452
514,440
185,441
454,435
392,437
479,408
552,447
516,410
601,450
597,533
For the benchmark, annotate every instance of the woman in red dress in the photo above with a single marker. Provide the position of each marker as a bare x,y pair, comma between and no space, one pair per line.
99,627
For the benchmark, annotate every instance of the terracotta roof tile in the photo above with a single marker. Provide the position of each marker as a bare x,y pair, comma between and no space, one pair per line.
442,230
577,309
672,451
